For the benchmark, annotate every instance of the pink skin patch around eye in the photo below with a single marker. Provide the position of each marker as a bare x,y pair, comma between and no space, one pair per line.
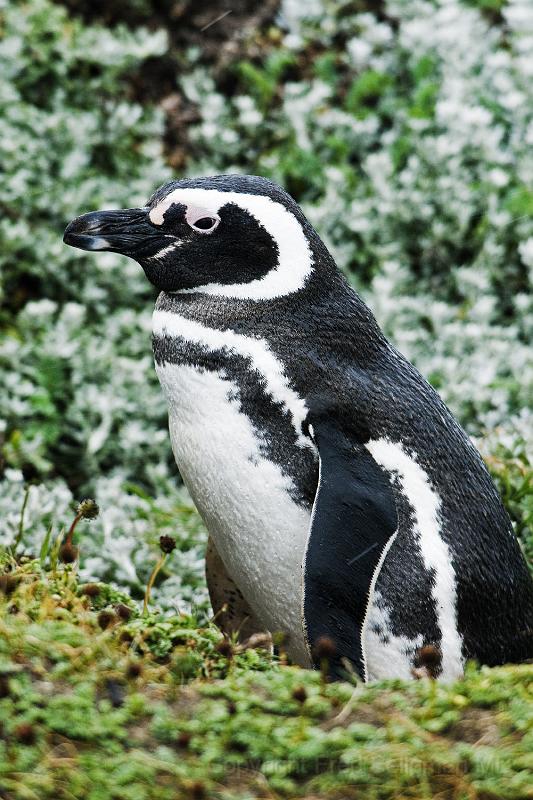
194,213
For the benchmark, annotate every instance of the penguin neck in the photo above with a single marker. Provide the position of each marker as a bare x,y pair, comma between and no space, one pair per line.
219,311
326,304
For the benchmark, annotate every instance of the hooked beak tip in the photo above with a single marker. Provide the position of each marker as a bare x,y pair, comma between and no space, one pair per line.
101,230
84,232
85,241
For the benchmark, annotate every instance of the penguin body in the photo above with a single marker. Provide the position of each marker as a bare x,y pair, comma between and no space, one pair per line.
340,494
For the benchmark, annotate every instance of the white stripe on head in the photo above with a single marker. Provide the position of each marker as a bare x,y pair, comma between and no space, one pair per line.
294,253
168,249
435,552
166,323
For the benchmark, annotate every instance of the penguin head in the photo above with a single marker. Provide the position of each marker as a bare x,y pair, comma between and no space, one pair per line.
237,236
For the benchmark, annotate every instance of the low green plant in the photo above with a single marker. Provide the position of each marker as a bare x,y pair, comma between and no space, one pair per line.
100,701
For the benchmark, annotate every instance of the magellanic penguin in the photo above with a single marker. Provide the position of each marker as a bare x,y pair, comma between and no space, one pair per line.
343,500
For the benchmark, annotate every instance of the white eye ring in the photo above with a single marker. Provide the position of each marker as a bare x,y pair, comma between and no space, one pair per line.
201,220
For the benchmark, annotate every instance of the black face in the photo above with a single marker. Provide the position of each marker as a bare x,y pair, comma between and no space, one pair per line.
188,247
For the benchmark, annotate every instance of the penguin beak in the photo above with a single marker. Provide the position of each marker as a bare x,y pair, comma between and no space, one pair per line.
126,231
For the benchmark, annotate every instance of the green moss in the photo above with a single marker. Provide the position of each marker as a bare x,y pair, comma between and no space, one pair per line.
148,708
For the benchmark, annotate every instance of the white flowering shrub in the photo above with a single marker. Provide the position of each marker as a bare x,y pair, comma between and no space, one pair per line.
74,357
404,129
80,405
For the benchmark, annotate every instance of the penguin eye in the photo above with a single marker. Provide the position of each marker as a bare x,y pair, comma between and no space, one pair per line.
205,224
201,220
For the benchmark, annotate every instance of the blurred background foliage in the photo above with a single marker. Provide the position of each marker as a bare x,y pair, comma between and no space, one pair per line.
403,127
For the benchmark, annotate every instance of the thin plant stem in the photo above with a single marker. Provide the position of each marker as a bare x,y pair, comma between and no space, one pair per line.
70,534
20,532
151,580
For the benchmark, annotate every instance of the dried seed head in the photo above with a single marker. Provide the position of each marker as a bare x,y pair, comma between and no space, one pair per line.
90,589
125,637
167,544
8,584
68,553
238,746
4,686
428,659
105,618
429,656
224,647
25,733
198,790
232,707
183,740
324,648
123,611
299,694
87,509
134,669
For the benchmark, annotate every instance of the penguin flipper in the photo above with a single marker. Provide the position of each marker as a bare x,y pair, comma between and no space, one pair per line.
354,519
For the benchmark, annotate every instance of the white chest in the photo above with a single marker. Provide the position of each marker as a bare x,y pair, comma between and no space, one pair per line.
244,499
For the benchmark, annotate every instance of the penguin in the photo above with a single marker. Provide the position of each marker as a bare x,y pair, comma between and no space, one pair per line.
347,510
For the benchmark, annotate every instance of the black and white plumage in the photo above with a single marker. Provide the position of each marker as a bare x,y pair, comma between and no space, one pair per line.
342,498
